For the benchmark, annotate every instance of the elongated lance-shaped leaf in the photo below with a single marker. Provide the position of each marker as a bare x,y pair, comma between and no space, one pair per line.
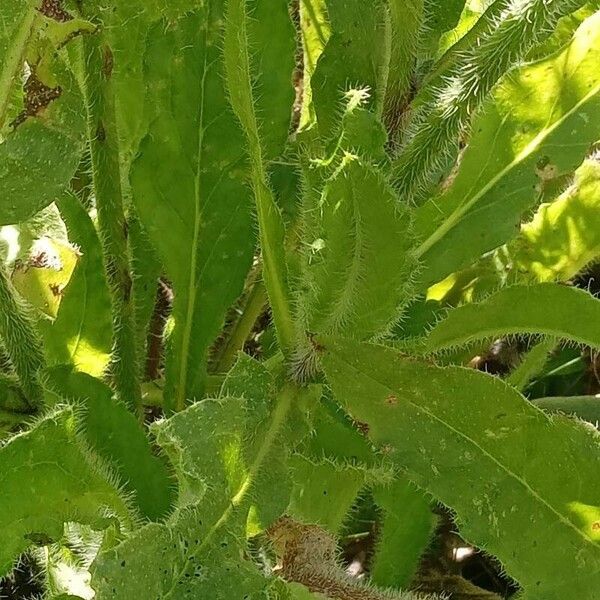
539,125
460,434
147,269
237,51
532,363
359,267
49,477
126,27
94,63
116,436
41,125
563,236
356,55
81,333
437,127
190,193
218,448
406,531
583,407
546,308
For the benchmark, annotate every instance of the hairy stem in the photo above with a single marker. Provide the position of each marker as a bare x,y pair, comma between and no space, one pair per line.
437,124
21,342
270,223
242,327
96,63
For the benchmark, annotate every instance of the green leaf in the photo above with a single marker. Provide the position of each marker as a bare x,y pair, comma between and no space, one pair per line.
563,236
406,21
240,76
81,333
356,56
524,138
190,192
546,308
49,477
406,531
531,364
146,269
115,435
440,16
39,155
41,126
315,30
218,449
459,433
323,492
358,263
583,407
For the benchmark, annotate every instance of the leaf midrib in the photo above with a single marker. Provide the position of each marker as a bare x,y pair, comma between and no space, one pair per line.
192,286
279,415
529,149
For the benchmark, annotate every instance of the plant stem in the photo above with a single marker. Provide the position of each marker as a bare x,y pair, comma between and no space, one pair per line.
21,341
270,223
438,122
106,175
242,328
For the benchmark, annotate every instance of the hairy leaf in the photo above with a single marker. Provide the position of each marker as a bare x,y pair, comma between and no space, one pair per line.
359,265
546,308
584,407
190,192
49,477
240,75
460,434
115,435
218,448
539,125
354,57
406,530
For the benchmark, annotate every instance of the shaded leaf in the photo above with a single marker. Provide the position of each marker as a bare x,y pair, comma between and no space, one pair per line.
406,531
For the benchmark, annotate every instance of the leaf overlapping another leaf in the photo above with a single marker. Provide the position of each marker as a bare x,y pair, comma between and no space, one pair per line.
538,125
218,448
189,190
49,477
506,469
548,309
360,269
